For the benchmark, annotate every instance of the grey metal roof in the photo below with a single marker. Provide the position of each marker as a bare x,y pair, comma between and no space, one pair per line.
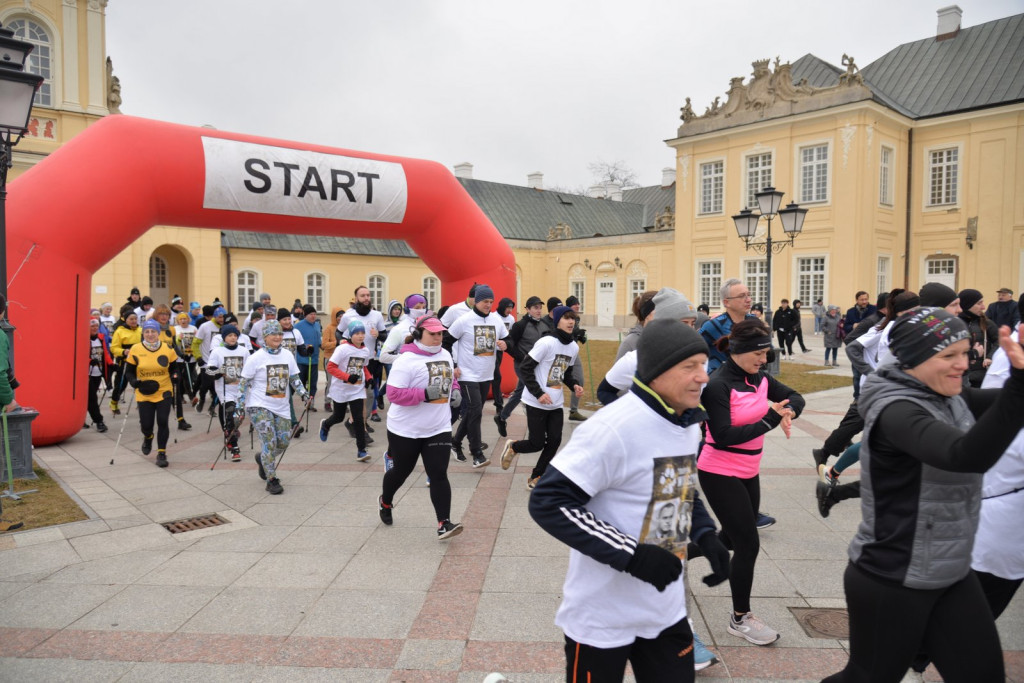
241,239
981,66
818,72
654,198
525,213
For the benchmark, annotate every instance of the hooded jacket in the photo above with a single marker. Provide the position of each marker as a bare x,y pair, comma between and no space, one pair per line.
331,337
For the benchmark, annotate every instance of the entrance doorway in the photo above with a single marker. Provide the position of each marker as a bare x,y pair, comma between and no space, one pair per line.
606,303
168,274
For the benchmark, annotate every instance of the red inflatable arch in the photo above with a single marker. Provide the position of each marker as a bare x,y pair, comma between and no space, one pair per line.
82,205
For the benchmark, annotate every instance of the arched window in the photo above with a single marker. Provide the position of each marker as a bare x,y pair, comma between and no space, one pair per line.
157,273
431,288
316,291
40,59
246,284
378,285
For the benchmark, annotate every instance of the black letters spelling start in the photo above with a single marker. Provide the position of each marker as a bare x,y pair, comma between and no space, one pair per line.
312,183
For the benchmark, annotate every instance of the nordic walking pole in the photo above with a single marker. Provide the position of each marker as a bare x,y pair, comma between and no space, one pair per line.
590,377
215,400
227,440
124,422
309,378
9,493
305,413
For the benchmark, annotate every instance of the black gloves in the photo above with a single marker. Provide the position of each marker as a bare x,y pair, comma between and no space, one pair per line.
432,392
305,350
655,565
353,379
582,338
148,387
717,555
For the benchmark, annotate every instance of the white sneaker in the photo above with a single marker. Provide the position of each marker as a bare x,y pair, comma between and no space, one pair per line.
912,677
507,455
752,629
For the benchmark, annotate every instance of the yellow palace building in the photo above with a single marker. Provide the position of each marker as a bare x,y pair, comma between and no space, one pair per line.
911,167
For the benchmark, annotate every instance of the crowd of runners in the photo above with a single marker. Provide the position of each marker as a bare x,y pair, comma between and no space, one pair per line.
938,402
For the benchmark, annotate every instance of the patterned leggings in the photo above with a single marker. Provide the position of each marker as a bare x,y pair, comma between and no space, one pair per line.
274,432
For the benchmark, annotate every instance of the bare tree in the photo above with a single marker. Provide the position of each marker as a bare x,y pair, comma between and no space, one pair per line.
615,171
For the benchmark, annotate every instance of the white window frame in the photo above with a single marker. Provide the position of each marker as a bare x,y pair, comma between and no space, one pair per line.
810,295
637,286
886,176
713,210
712,280
929,166
884,273
929,259
759,289
799,172
245,307
47,95
578,289
751,174
378,299
324,305
431,291
155,274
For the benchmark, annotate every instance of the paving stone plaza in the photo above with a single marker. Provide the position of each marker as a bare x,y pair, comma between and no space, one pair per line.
310,586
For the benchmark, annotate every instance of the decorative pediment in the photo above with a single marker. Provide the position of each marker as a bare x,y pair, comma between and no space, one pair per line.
772,94
561,231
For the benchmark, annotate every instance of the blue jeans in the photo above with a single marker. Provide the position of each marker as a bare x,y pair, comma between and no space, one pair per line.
834,352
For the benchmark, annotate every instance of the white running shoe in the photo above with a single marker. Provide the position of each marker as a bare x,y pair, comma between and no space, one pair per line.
752,629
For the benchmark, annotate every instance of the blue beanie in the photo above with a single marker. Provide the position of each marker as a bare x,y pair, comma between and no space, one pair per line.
559,311
228,329
483,292
151,325
354,327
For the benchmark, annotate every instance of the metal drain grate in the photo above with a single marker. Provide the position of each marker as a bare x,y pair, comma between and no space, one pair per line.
823,622
180,526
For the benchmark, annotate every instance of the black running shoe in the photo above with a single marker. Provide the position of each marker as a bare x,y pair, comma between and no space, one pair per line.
199,406
184,426
502,425
274,486
820,456
259,463
385,511
457,450
161,459
446,529
101,427
147,445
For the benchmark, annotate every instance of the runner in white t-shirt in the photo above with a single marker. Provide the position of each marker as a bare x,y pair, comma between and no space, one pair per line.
349,365
421,386
547,367
373,321
225,367
265,397
622,495
477,336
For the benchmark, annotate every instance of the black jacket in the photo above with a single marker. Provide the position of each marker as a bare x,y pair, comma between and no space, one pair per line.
1003,313
785,320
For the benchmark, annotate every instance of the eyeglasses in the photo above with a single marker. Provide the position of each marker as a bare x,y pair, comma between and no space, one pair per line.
739,296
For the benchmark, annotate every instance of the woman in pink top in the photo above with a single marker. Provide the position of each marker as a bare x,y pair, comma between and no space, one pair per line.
743,403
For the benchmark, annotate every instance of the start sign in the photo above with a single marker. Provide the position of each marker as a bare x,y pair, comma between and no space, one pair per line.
243,176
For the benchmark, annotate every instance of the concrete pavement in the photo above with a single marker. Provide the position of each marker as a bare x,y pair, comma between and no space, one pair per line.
311,586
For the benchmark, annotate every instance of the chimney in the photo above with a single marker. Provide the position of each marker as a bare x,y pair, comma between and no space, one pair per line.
464,170
949,22
535,180
668,176
614,190
596,191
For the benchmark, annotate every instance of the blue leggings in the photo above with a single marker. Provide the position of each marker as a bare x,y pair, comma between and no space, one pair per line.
850,456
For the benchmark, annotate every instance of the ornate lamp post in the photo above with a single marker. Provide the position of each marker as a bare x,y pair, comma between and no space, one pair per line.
768,202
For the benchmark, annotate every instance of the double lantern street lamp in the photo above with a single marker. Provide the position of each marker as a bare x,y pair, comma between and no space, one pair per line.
768,202
17,90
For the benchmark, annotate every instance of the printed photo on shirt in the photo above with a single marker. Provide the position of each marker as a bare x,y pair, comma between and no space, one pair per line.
557,372
97,353
355,367
289,343
233,369
483,340
440,375
277,381
186,342
669,513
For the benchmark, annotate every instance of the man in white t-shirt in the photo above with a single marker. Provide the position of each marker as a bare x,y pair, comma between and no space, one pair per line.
623,599
477,336
376,331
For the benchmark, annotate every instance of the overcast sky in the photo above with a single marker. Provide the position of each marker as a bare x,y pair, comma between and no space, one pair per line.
512,87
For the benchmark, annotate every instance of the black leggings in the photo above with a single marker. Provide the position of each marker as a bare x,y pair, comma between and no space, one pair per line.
544,434
735,502
473,394
160,411
841,437
338,416
668,657
185,387
436,452
890,623
94,402
226,416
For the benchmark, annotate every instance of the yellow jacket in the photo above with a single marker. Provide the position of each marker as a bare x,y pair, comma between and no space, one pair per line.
123,339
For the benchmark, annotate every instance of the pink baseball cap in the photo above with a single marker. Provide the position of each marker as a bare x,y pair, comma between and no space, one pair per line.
430,323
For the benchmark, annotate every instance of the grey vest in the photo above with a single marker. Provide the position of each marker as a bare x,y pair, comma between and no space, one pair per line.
948,504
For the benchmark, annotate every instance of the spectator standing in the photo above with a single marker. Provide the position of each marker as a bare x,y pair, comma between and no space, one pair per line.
784,323
819,311
1004,311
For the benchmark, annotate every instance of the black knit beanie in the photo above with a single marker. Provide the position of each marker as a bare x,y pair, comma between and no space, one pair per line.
924,332
664,343
937,294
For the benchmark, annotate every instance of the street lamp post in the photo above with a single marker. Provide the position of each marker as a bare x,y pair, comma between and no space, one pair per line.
17,90
768,202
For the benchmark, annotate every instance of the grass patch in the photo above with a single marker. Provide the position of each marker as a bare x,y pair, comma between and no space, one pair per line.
598,356
48,507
